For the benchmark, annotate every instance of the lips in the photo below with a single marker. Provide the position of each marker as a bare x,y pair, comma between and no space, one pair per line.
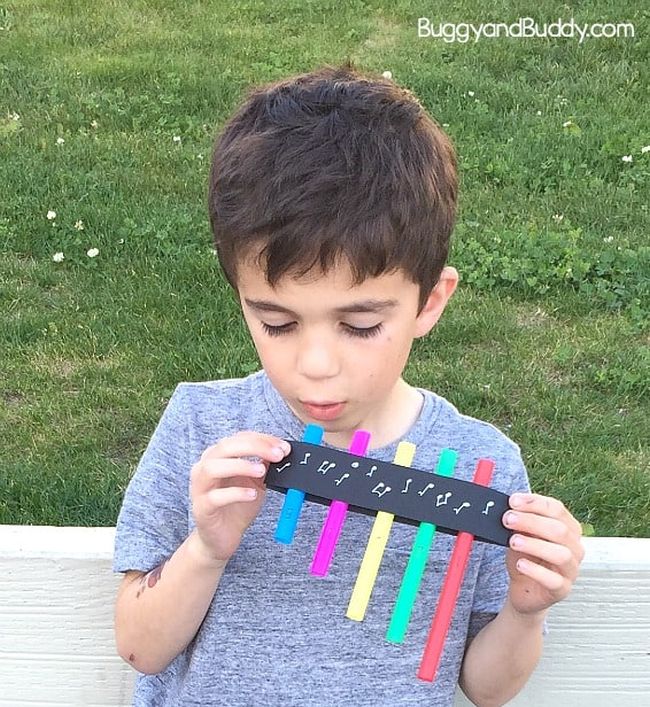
323,410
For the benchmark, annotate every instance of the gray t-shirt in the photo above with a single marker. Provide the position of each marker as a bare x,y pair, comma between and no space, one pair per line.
275,634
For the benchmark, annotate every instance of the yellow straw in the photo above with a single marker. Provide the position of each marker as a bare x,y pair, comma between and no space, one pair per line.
375,548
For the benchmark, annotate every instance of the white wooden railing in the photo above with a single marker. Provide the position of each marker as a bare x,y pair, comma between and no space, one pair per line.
57,593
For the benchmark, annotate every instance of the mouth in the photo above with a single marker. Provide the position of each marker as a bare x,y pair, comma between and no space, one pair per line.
323,410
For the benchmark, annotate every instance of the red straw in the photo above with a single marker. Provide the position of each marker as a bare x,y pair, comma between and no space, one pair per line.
451,587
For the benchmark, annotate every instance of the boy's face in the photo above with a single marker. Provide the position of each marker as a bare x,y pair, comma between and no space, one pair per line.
334,351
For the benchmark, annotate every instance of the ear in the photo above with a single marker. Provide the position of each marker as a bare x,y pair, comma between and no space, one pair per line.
436,302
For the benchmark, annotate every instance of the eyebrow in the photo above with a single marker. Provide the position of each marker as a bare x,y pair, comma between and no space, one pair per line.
368,305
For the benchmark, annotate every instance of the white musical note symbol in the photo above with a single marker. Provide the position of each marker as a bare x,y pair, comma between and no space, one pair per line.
488,505
355,465
372,469
326,466
444,501
425,489
381,493
408,483
338,481
464,504
284,466
307,455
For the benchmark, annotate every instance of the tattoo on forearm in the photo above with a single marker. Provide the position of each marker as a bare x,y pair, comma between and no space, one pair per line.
151,578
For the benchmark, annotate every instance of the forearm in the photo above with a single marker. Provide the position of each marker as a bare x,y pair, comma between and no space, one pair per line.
502,657
156,616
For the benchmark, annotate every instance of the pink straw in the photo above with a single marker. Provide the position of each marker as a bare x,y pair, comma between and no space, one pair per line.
336,513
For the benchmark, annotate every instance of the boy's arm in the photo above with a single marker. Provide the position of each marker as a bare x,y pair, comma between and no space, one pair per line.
502,656
543,564
159,612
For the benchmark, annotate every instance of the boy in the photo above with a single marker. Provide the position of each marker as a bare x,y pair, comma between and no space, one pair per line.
332,199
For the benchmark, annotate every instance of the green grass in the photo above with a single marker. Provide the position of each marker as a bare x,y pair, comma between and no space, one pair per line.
547,336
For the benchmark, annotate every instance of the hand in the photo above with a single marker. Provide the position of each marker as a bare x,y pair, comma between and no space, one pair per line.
547,552
221,483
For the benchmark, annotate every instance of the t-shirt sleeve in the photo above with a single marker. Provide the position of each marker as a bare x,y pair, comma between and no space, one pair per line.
493,579
152,522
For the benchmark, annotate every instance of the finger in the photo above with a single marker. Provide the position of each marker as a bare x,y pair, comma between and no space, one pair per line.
544,506
550,529
536,503
559,556
249,444
548,578
218,498
213,472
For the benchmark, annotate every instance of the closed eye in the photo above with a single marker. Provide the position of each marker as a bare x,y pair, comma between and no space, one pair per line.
360,332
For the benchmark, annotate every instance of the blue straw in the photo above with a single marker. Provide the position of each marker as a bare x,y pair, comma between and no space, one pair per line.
294,498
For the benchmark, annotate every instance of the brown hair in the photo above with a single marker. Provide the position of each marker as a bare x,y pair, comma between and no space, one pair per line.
329,164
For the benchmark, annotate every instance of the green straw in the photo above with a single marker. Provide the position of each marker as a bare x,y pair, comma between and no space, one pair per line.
417,562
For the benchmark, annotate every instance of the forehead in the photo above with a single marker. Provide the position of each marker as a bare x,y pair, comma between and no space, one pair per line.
334,288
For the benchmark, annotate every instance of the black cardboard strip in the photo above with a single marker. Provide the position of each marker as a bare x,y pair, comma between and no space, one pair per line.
412,495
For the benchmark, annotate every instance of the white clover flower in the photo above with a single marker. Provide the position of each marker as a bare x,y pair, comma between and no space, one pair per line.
58,257
51,215
60,141
558,217
14,116
645,149
177,139
94,124
608,239
79,225
93,253
539,112
567,124
470,94
387,75
627,158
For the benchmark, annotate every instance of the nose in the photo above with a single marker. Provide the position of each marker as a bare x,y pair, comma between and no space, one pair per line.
317,357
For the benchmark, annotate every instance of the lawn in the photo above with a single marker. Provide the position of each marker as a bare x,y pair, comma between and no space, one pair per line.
108,112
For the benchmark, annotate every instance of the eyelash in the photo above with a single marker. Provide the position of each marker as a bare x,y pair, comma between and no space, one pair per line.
349,330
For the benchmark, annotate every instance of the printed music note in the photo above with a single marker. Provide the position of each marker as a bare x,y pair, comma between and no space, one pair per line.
326,466
338,481
408,483
387,489
445,499
307,455
488,505
464,504
284,466
372,469
425,489
355,465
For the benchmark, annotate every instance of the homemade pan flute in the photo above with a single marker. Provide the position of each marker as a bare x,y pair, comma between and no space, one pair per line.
393,492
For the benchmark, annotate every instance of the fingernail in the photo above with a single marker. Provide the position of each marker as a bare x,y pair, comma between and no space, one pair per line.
516,541
259,468
286,446
516,500
511,518
278,453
